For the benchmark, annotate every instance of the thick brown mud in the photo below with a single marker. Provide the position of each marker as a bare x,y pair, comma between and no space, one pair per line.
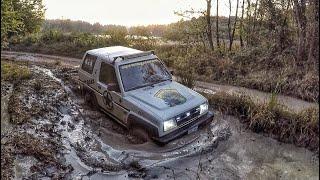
59,136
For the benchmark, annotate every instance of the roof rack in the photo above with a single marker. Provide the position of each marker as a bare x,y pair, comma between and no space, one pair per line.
146,53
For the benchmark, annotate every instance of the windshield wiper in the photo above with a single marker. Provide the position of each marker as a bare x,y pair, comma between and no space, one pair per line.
141,86
161,80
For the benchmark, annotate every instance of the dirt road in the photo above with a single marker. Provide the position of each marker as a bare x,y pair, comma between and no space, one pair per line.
258,96
80,142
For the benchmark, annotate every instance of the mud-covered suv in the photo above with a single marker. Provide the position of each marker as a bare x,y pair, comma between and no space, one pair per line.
136,89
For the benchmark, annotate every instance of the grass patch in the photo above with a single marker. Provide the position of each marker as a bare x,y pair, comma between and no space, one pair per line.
13,72
301,129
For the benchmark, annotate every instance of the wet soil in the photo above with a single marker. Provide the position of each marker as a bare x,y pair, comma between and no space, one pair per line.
51,133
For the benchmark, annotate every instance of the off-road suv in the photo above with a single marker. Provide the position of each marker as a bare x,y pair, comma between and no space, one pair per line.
136,89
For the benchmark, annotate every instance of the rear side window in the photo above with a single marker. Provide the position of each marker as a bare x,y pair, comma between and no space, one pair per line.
88,63
107,74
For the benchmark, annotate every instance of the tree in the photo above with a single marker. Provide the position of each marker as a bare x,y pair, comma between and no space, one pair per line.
234,25
248,19
229,22
20,17
208,19
195,29
241,24
175,31
118,34
313,34
299,11
217,25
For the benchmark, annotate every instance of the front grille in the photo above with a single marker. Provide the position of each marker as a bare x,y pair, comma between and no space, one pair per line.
186,116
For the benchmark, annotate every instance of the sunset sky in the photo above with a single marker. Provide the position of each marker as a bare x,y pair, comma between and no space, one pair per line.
125,12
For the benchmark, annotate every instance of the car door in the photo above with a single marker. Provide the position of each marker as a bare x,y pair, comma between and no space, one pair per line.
110,100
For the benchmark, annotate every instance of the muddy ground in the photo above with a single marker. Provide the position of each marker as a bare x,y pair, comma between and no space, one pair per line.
48,132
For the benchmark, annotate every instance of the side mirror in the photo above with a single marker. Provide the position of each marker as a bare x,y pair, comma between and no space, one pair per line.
171,72
113,87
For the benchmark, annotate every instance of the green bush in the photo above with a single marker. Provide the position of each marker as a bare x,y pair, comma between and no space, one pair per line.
12,72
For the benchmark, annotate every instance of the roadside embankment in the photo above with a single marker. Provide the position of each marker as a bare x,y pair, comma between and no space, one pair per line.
300,128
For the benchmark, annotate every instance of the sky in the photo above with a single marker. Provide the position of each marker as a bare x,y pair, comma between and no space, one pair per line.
125,12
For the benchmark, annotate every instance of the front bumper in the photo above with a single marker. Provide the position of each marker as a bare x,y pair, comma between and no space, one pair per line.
205,119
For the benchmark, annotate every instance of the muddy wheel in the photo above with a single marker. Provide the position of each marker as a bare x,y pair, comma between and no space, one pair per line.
90,99
141,134
161,144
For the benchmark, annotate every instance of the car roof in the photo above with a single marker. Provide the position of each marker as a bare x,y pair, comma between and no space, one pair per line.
108,53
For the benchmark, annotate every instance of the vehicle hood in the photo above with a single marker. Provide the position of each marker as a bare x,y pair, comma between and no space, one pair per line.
166,99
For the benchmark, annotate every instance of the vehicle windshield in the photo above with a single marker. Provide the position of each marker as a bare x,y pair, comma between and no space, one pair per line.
141,74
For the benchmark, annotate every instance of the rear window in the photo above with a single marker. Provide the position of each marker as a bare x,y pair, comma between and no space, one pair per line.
88,63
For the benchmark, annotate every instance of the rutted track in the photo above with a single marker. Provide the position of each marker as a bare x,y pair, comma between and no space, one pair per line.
97,147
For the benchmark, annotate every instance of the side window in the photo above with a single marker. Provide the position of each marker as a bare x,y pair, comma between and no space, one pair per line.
107,74
88,63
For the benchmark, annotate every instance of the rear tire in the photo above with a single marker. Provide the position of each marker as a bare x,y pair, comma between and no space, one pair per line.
161,144
90,99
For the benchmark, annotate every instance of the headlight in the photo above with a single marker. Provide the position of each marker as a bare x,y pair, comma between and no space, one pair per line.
204,108
170,124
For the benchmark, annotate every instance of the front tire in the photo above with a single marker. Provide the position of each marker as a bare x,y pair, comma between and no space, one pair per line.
141,134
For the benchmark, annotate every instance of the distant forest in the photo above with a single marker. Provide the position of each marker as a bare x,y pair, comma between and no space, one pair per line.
68,26
168,31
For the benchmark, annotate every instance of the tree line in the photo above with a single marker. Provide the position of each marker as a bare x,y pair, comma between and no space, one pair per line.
67,26
273,24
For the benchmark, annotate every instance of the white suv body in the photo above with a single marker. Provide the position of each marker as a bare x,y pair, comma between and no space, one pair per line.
136,89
